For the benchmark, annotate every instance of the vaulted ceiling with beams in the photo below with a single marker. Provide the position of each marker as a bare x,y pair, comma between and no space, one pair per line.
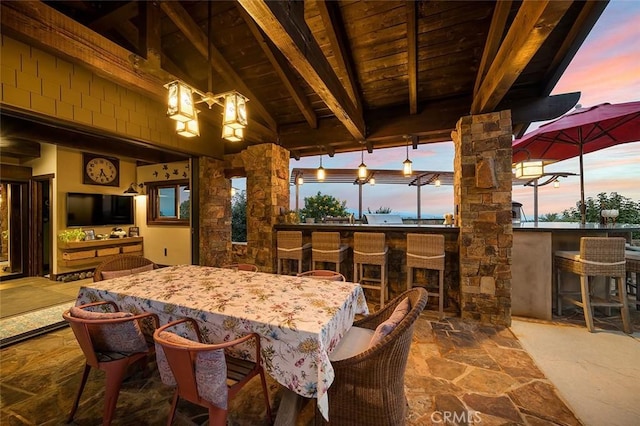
326,76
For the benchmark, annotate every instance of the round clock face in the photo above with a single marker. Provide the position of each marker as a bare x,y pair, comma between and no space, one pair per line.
101,170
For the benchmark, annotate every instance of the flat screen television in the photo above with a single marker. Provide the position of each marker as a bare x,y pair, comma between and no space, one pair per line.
99,209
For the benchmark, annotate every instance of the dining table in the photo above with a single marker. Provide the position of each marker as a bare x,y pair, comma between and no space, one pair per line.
300,320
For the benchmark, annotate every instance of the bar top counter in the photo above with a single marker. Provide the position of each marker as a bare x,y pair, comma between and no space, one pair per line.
574,226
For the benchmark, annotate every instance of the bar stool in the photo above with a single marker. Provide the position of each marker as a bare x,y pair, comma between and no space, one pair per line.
632,259
290,247
426,251
598,256
326,247
369,248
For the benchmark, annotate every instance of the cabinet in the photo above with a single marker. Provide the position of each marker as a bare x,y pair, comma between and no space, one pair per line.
79,255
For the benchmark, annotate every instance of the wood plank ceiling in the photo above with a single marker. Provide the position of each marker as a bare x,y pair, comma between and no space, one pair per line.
324,76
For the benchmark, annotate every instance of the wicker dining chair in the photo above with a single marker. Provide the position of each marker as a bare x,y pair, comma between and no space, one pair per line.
323,274
632,259
326,247
368,388
121,265
370,248
241,267
291,248
202,373
598,256
426,251
111,342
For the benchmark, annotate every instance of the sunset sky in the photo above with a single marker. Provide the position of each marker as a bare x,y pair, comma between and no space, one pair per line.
605,69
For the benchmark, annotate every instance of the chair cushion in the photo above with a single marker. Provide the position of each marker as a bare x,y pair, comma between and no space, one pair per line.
386,327
210,369
126,337
107,275
356,340
144,268
631,255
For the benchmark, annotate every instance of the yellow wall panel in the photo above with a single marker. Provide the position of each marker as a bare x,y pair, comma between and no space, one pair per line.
16,97
43,104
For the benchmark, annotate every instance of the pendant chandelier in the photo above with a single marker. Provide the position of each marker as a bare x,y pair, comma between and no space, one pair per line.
181,104
320,172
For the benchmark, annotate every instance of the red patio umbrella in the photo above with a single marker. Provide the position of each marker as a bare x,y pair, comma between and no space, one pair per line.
582,131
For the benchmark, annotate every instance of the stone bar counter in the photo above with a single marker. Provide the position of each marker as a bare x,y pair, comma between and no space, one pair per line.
396,237
532,276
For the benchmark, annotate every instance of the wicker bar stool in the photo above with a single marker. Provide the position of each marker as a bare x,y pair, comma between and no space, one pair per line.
369,248
290,247
598,256
426,251
326,247
632,259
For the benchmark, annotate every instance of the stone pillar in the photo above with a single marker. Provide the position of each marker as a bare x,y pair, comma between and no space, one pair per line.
215,213
482,193
267,168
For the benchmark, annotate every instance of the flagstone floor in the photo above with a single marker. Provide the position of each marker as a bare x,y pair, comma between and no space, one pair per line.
455,369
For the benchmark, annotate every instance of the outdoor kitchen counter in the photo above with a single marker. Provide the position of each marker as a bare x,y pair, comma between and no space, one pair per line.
533,280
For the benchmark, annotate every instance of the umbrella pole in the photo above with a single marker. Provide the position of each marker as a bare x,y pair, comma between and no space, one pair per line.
360,200
418,191
535,201
583,207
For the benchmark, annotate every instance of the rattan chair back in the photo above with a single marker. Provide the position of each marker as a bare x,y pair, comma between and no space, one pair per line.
323,274
368,388
241,267
425,251
369,248
121,262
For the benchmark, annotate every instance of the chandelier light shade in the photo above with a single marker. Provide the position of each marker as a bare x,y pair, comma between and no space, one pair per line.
180,101
320,173
231,134
529,169
406,164
235,110
188,129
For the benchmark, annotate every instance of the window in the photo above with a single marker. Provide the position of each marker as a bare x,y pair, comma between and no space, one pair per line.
169,203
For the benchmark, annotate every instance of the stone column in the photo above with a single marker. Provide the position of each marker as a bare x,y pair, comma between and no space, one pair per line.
215,213
482,193
267,168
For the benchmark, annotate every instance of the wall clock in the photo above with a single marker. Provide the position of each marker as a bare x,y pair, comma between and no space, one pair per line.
100,170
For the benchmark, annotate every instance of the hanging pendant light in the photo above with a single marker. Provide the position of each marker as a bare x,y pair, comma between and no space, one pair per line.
362,168
556,183
437,182
231,134
235,110
188,129
372,181
406,165
180,101
320,173
299,179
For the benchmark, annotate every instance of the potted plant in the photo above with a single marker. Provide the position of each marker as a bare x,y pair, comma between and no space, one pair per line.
68,235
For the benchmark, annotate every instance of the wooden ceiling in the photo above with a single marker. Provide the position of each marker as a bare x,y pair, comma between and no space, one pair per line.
324,76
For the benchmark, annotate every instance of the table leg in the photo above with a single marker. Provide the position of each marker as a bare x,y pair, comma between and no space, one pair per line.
290,407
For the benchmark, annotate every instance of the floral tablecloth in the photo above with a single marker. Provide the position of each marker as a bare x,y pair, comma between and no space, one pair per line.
300,320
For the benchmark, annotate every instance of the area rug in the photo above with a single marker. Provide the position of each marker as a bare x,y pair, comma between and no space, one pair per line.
23,326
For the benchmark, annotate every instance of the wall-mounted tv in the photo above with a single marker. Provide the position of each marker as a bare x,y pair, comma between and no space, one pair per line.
99,209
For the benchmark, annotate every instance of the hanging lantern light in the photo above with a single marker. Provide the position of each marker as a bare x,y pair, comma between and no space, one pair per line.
180,101
372,181
235,110
299,179
556,183
231,134
188,129
437,182
362,168
406,164
320,173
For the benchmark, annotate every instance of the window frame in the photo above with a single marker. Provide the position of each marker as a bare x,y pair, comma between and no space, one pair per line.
153,203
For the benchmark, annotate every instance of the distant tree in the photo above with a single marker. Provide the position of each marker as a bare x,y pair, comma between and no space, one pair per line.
185,209
629,210
319,206
239,217
550,217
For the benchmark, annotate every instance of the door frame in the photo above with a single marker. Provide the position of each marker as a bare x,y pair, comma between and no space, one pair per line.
36,237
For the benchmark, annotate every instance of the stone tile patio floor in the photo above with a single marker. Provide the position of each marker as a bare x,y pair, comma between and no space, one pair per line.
472,373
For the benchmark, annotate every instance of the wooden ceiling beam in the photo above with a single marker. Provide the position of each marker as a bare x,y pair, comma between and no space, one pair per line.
412,55
149,35
185,23
494,38
284,24
530,28
334,29
280,65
